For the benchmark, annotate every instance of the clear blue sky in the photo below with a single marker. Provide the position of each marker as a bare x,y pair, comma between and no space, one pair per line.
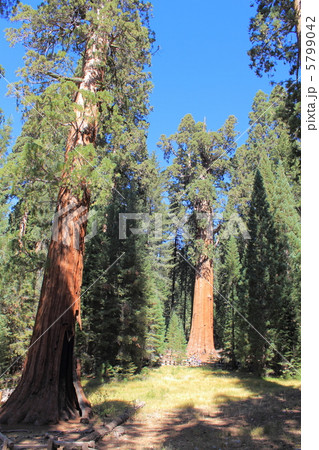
201,67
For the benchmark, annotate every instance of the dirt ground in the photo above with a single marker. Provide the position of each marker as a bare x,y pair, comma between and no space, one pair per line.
268,422
242,425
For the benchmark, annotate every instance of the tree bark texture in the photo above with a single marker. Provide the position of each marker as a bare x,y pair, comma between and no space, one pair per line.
201,340
46,392
297,7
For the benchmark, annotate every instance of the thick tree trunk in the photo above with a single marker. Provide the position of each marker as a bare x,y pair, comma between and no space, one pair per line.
201,340
46,392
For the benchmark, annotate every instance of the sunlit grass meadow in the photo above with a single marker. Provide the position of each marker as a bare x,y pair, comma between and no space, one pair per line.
188,408
172,387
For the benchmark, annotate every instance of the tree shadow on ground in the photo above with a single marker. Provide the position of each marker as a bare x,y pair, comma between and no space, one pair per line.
269,419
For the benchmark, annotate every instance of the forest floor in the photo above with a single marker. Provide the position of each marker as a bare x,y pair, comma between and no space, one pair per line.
200,408
188,408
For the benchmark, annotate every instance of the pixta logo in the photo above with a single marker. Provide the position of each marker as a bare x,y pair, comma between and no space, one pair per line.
147,224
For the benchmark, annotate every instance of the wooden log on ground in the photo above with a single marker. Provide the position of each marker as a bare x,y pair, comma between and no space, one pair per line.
29,446
83,445
52,444
97,435
7,443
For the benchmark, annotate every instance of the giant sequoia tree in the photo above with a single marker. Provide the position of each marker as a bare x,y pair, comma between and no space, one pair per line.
197,173
87,76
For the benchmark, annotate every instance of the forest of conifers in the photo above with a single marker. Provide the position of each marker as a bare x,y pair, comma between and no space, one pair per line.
132,263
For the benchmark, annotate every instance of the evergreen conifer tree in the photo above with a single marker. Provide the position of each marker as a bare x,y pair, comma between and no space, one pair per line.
227,303
287,224
175,337
275,34
124,311
268,135
75,70
198,169
259,302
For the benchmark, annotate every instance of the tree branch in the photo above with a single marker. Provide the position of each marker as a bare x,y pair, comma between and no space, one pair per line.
62,77
217,229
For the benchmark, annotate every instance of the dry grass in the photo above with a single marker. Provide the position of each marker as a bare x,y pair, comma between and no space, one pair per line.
171,387
202,408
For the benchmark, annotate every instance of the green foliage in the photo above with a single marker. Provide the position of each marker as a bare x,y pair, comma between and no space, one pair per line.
287,224
197,173
275,34
123,312
175,337
22,260
136,288
269,297
154,343
227,321
4,343
259,300
6,7
274,37
51,78
268,135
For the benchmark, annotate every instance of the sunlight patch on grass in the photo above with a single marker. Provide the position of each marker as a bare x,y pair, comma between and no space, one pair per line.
171,388
290,382
257,432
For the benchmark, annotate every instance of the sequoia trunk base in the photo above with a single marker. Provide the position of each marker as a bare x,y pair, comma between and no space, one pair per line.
46,392
201,341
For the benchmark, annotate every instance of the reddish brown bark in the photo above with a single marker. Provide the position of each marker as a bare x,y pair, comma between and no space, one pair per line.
201,340
46,392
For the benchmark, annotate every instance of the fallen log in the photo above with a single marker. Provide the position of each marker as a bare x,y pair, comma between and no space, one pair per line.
97,435
51,445
28,446
83,445
7,443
